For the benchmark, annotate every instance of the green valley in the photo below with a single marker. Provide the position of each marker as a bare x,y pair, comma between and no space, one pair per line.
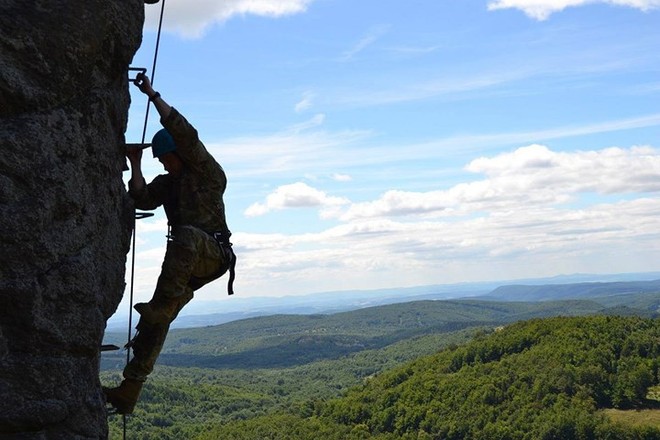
425,369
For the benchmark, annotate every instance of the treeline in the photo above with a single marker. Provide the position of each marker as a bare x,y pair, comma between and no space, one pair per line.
539,379
180,403
283,341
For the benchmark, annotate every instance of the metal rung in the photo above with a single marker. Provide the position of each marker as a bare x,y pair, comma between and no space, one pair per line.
142,70
141,215
138,145
134,145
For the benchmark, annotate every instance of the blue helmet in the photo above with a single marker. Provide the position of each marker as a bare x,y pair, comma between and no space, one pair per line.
162,143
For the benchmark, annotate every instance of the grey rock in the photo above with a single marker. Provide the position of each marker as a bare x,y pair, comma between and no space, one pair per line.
65,217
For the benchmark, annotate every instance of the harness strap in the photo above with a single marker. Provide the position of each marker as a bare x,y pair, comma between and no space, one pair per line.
226,246
232,270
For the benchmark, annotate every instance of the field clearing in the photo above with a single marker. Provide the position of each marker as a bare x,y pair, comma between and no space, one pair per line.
642,417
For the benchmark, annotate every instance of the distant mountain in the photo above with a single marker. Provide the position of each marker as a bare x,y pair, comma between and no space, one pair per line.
573,291
291,339
200,313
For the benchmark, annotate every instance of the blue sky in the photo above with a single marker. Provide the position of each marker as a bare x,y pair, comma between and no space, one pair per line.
379,144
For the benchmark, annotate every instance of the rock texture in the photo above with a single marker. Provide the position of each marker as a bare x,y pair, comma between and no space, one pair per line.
65,218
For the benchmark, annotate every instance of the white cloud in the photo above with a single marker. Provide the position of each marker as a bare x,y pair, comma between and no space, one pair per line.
508,224
442,86
314,122
295,195
299,150
528,176
341,177
377,252
542,9
607,171
290,151
157,223
305,103
367,40
190,18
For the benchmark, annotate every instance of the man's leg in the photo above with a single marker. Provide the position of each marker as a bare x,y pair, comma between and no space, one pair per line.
191,253
146,345
148,342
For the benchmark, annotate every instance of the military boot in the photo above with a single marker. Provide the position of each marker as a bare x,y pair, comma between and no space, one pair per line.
124,397
158,311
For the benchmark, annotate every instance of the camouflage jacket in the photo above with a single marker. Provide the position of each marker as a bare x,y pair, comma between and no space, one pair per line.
194,197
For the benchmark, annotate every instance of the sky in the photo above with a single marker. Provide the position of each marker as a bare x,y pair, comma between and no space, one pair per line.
379,144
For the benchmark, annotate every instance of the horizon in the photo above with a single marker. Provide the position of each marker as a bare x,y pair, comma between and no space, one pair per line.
407,146
323,300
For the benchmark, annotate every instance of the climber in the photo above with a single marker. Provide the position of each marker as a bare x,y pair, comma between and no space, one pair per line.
198,247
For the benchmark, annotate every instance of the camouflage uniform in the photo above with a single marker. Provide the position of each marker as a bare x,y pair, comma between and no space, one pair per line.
195,211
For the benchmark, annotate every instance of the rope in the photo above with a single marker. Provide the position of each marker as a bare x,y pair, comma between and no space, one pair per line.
144,132
153,67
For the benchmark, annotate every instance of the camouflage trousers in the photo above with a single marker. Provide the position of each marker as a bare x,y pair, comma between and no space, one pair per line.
193,259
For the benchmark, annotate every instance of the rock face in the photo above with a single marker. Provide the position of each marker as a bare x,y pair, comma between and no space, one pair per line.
65,218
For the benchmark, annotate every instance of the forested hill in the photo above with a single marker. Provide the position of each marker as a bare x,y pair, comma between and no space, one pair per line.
290,340
539,379
275,376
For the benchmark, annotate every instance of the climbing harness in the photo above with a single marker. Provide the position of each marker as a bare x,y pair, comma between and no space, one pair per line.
222,238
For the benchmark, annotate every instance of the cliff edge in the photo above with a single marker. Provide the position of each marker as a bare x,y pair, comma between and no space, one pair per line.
65,218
